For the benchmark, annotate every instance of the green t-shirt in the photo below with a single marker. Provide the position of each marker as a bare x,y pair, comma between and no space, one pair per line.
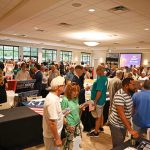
100,85
73,117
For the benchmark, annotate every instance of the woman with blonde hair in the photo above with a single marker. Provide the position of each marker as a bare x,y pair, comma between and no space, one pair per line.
72,120
3,86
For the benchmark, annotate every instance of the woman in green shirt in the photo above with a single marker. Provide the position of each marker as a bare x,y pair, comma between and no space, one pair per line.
70,102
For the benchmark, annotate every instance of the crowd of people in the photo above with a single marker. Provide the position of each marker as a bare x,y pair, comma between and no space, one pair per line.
66,107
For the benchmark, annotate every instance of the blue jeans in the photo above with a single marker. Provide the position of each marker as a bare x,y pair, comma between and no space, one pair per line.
118,135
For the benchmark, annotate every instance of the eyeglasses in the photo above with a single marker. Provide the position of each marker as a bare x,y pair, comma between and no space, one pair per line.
74,83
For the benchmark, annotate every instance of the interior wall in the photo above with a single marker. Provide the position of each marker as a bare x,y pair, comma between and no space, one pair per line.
146,57
100,56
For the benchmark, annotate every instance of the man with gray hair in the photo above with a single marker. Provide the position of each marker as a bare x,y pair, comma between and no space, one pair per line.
115,84
141,103
52,116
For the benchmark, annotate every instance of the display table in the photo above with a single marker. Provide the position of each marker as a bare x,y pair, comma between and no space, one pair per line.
20,128
128,144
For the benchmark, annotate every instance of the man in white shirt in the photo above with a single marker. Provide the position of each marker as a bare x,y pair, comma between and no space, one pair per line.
53,116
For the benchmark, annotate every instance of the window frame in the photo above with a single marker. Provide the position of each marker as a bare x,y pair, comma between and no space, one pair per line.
13,51
69,56
30,52
88,56
50,52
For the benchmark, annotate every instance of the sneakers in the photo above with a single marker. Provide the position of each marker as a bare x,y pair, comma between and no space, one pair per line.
93,134
101,129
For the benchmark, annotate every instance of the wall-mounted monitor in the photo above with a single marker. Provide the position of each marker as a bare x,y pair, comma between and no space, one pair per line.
128,59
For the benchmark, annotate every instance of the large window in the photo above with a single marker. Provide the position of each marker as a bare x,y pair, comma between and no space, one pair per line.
85,58
30,53
49,55
66,56
9,52
1,53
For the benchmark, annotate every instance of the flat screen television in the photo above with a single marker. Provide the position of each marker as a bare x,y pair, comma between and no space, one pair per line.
128,59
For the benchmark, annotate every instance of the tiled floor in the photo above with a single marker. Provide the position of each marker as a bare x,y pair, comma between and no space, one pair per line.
103,142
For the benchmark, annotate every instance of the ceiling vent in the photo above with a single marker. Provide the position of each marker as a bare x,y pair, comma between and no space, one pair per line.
63,24
21,35
141,42
115,43
40,30
119,9
76,4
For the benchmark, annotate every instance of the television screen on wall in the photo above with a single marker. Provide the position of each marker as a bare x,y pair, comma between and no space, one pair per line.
128,59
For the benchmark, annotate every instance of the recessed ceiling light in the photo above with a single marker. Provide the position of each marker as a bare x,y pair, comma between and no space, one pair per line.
91,10
146,29
91,43
36,28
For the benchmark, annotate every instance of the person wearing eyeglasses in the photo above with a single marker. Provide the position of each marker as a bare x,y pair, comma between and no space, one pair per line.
53,116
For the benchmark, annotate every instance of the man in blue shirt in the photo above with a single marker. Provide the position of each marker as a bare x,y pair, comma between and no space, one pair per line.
98,95
141,103
70,74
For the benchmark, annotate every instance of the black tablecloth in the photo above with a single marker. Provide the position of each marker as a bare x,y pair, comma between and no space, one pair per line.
20,128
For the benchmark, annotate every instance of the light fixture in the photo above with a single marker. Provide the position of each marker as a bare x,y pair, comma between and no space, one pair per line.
91,36
76,59
91,10
101,60
91,43
146,29
145,62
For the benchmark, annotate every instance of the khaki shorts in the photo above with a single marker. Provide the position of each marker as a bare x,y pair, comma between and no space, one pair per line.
98,112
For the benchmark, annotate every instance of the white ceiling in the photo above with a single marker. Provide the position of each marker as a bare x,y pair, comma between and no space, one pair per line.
22,17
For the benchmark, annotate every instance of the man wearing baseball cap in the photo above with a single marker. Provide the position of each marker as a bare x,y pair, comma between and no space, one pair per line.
52,116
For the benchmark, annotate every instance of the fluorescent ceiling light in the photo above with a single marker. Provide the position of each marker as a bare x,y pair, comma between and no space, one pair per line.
91,10
91,36
91,43
146,29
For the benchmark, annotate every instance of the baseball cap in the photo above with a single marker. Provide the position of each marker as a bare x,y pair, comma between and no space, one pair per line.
57,81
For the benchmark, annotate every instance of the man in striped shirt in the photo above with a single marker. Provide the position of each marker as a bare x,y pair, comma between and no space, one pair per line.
120,116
